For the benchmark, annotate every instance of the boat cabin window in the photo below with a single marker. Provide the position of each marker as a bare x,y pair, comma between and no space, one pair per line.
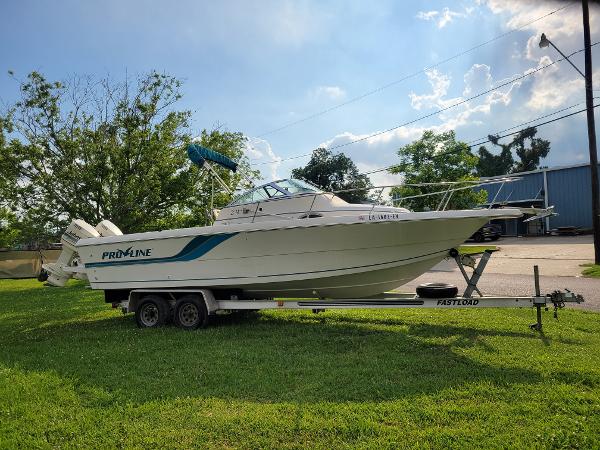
282,188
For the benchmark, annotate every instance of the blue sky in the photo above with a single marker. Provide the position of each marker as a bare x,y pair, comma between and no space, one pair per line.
255,66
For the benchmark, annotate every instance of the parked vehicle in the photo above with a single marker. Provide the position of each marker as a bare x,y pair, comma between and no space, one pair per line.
489,231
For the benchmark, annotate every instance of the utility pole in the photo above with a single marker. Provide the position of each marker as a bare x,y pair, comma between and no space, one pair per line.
589,101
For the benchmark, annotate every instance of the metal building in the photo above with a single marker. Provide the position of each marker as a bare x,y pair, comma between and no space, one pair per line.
567,188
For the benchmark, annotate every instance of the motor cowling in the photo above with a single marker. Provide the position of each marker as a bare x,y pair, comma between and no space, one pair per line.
78,229
107,228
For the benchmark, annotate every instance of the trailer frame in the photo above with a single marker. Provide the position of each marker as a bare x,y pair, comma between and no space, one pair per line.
556,299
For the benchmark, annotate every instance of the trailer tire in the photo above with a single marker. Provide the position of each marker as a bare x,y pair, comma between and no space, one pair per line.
191,312
152,311
437,290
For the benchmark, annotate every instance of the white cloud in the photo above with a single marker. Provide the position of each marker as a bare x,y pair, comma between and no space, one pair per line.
380,178
443,17
477,79
550,90
429,15
385,179
564,26
402,134
448,16
331,92
378,151
439,85
559,84
262,156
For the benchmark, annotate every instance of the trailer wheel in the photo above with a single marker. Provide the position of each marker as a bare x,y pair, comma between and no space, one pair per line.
152,311
437,290
191,312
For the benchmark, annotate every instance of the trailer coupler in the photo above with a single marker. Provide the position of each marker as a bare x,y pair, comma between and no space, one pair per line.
557,298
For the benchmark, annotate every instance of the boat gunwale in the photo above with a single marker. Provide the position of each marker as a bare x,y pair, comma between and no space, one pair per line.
304,223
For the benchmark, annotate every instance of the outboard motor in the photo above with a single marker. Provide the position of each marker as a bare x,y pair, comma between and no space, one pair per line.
58,273
107,228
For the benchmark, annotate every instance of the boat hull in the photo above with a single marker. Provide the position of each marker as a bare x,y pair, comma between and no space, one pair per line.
316,258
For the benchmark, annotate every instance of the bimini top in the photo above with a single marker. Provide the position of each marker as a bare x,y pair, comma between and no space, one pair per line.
199,155
280,188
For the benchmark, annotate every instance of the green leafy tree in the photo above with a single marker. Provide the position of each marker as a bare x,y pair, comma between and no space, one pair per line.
490,165
432,159
531,154
335,172
103,150
8,172
9,231
529,149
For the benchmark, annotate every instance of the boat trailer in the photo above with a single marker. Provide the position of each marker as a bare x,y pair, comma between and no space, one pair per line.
209,305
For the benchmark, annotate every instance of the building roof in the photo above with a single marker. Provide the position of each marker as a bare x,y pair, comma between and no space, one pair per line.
545,169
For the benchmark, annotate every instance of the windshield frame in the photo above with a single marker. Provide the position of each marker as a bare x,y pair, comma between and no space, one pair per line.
281,192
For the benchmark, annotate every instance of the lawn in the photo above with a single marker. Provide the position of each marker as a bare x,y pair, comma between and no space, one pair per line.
75,373
474,249
591,270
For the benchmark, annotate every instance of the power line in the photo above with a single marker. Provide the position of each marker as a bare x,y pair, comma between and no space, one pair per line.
410,122
499,137
418,118
537,125
462,102
529,121
407,77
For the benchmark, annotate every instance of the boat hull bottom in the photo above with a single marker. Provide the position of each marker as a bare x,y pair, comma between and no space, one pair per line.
356,285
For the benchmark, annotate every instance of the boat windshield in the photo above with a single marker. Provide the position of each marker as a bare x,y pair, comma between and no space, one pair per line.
281,188
297,186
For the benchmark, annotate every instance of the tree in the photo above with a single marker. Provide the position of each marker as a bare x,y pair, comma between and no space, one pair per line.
102,150
504,163
490,165
9,233
530,156
335,172
437,158
8,173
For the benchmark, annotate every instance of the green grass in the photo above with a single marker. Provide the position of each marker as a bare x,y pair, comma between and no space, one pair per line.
473,249
591,270
75,373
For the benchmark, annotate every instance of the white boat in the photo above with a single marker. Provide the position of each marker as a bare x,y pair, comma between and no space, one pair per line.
282,239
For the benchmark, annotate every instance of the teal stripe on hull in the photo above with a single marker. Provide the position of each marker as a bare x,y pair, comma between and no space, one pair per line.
195,249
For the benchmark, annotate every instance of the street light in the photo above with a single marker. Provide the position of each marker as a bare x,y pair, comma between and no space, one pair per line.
589,100
545,42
